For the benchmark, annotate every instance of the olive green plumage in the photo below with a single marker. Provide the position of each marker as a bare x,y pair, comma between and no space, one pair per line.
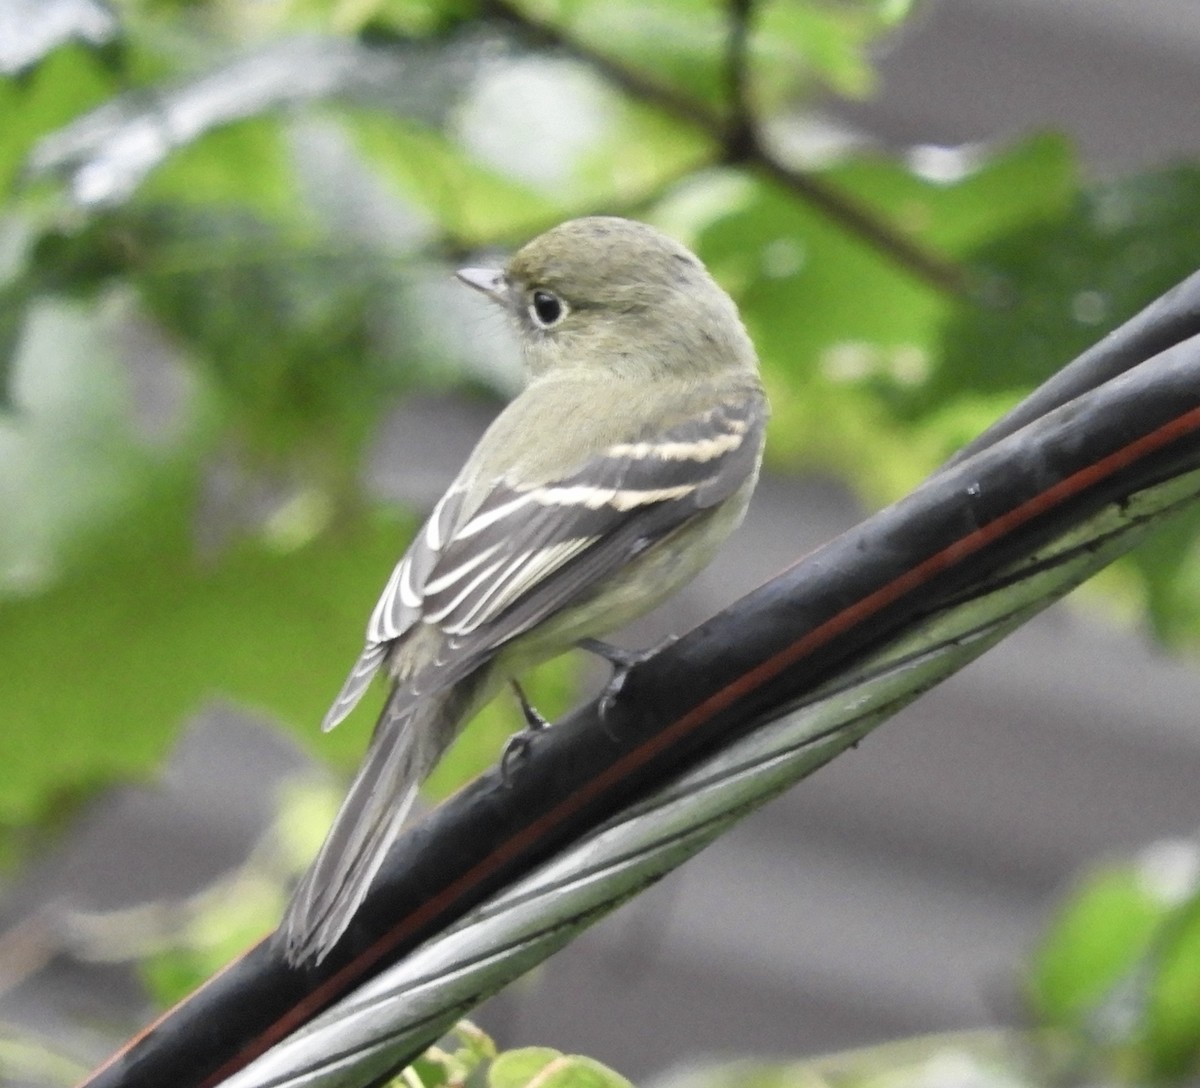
607,484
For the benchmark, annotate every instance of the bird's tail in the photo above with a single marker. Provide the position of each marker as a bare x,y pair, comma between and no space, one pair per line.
409,739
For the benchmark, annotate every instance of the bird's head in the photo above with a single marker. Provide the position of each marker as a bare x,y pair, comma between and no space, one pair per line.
614,294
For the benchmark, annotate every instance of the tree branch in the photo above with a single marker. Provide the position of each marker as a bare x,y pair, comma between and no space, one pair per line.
738,140
741,136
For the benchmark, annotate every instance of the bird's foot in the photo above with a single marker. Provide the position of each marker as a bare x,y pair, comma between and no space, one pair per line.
621,660
518,743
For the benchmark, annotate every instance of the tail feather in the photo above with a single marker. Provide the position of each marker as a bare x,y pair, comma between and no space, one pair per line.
365,668
404,749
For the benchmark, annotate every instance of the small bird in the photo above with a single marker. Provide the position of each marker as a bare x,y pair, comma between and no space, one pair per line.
608,483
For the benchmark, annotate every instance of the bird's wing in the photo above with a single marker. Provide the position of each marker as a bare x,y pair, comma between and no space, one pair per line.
526,552
399,606
520,556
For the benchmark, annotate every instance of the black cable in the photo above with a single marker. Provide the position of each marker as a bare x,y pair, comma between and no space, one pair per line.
1120,427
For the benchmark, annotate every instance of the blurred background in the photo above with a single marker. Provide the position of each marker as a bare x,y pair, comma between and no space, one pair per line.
235,371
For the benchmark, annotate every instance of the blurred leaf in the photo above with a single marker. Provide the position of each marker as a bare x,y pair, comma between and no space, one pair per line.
548,1068
75,458
892,13
1057,283
633,33
204,934
961,199
470,202
247,164
797,44
793,46
288,322
404,17
148,632
1053,287
65,84
979,1059
30,29
1120,968
557,128
1166,580
1099,935
29,1061
14,300
640,152
1173,1035
844,332
456,1061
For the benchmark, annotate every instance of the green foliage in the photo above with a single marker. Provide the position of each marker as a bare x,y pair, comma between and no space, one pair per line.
188,200
548,1068
416,18
465,198
469,1056
1055,284
794,48
268,207
200,937
844,335
459,1059
1119,969
979,1059
141,636
67,83
29,1060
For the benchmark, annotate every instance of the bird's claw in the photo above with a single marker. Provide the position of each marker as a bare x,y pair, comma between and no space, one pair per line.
621,660
518,744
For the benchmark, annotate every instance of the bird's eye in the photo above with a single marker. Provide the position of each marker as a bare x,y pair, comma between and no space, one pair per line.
547,309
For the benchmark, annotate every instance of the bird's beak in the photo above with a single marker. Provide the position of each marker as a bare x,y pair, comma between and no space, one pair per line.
490,281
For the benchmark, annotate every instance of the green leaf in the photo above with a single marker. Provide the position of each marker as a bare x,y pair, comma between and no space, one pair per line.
634,34
68,82
1098,937
469,201
15,297
640,151
247,164
1053,287
287,323
410,18
551,1069
457,1060
112,660
28,1059
1173,1029
794,47
201,936
1058,283
798,45
74,457
845,331
1166,581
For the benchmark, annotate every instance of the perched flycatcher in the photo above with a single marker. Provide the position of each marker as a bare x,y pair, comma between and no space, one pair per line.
605,486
